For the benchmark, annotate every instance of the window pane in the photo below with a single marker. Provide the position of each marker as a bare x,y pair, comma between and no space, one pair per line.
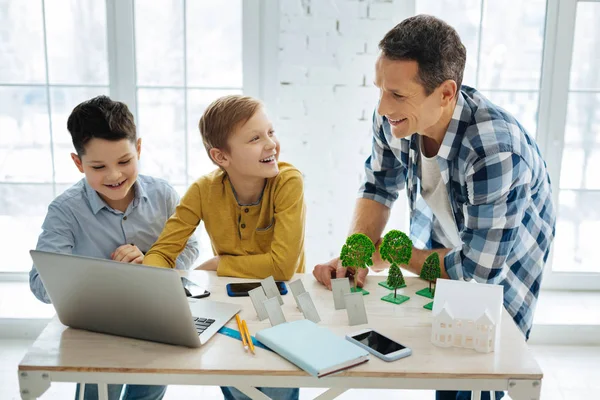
577,231
162,126
581,153
214,43
63,100
22,211
76,37
586,47
511,44
159,42
198,161
522,105
25,154
464,16
21,50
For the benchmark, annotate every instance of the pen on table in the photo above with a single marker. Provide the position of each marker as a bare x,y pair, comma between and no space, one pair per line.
241,328
250,344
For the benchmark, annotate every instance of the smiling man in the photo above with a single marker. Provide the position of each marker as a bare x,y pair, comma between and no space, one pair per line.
478,189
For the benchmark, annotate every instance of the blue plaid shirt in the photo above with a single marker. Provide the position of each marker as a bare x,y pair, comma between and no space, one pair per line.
499,192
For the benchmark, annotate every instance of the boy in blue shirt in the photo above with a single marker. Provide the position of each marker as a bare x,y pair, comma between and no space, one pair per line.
113,212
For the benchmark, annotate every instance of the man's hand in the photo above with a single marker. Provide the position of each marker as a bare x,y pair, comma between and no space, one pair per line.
209,265
128,253
350,272
333,269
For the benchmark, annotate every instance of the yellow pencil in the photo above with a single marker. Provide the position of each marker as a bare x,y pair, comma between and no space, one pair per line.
250,344
241,328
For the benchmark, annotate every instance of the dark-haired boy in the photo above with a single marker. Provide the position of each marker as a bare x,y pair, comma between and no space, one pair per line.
113,212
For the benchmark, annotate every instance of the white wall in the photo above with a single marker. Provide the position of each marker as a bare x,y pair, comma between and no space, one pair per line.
326,98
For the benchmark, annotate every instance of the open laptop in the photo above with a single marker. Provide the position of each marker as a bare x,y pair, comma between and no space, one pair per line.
128,300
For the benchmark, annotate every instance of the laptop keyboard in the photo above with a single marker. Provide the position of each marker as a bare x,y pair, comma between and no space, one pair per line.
202,324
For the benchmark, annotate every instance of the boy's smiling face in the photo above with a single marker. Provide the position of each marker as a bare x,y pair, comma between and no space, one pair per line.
111,169
253,148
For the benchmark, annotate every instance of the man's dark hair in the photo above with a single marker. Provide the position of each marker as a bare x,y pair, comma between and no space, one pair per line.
100,118
433,44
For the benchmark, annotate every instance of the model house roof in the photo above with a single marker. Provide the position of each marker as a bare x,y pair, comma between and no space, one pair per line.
468,300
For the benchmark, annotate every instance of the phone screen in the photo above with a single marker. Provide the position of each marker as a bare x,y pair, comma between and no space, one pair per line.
379,343
193,289
243,288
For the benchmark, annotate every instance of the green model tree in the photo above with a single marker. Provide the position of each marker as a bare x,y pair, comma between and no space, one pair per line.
357,252
431,269
395,278
430,272
396,248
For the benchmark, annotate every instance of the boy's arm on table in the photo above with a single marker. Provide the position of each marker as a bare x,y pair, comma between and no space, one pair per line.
190,253
56,237
177,235
288,239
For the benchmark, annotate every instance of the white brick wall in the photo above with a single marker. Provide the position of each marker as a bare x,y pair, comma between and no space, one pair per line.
326,100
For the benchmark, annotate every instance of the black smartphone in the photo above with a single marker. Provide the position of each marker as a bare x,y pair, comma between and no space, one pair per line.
379,345
242,288
193,290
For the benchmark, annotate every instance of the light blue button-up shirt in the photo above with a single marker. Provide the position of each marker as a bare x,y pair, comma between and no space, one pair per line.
80,222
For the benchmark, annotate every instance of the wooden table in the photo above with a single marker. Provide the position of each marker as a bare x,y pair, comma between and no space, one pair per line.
62,354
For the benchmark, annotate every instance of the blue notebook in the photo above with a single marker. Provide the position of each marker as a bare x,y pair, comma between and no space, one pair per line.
313,348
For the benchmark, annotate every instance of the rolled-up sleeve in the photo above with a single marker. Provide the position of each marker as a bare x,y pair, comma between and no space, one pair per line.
385,175
498,188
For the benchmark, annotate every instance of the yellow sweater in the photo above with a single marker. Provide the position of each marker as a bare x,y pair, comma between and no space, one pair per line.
252,241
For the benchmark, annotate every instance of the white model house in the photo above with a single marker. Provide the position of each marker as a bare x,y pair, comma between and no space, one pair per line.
466,315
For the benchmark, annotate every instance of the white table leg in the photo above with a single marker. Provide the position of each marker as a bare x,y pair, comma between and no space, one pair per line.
476,395
520,389
330,394
81,391
253,393
33,384
102,391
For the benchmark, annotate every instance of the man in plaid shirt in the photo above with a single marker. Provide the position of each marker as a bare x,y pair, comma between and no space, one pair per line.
478,189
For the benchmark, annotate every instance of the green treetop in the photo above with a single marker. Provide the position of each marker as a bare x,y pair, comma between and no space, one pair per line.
357,252
431,269
396,248
395,278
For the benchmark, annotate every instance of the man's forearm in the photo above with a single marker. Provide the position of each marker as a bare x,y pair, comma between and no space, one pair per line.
370,218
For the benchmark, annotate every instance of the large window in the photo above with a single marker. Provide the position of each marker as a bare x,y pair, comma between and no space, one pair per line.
539,60
52,56
505,42
573,143
166,59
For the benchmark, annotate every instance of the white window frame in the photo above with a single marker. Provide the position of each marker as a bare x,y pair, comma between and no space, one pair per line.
553,92
260,39
552,116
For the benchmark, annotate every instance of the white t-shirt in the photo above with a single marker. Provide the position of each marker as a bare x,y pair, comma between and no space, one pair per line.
433,190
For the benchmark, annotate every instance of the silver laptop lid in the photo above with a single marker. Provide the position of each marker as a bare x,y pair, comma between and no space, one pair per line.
121,299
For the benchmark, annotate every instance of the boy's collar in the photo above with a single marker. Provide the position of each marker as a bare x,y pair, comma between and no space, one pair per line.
227,182
140,190
98,204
